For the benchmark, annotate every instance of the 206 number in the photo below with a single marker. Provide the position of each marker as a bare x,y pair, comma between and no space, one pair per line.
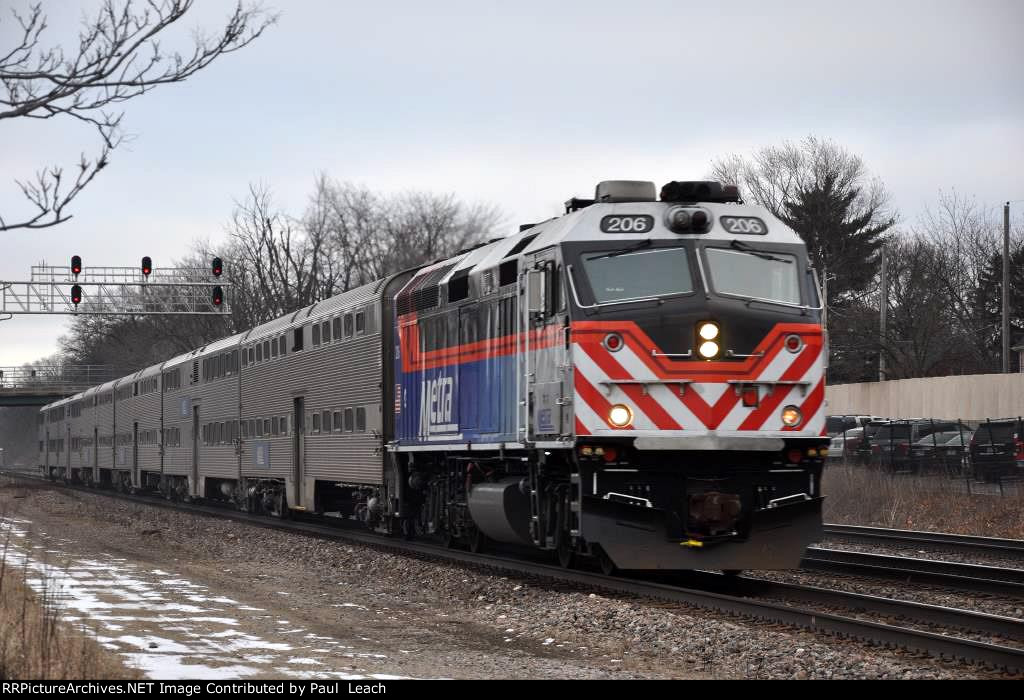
639,223
744,224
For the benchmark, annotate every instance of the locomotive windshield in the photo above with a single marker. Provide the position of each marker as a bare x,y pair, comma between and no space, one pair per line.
754,275
638,275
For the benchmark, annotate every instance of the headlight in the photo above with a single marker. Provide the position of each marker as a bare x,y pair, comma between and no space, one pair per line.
620,416
678,220
708,349
708,330
791,416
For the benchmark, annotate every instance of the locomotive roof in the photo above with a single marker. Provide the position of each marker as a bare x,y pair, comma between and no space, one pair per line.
584,225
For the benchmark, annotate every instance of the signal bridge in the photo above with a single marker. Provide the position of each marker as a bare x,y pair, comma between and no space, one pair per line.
38,386
110,291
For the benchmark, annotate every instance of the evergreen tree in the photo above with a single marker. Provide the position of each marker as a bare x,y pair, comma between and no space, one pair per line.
841,241
988,301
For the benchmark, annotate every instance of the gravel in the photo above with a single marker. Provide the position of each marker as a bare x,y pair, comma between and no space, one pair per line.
463,621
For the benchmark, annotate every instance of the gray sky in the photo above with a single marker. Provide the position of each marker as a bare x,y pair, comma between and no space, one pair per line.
525,106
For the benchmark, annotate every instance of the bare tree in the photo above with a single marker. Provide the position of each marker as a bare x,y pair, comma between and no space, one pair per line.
275,265
346,218
118,57
370,236
967,236
923,338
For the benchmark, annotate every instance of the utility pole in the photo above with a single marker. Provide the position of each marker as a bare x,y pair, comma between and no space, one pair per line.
1006,288
883,311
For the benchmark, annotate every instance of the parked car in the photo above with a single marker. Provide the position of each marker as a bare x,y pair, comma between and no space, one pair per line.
845,445
928,454
891,445
955,454
836,425
997,449
862,455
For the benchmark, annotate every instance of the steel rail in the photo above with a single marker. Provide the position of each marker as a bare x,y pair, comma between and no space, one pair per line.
967,577
969,544
890,635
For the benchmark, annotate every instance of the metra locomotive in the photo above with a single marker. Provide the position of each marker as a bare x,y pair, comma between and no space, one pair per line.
641,381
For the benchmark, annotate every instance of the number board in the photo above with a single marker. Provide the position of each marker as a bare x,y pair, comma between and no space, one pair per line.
627,223
744,224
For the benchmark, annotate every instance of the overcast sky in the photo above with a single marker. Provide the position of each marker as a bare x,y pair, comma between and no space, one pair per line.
526,104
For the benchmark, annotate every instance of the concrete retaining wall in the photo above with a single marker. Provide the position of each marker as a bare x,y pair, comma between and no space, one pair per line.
970,397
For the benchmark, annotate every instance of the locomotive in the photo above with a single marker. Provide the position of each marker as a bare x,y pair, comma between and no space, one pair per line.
640,381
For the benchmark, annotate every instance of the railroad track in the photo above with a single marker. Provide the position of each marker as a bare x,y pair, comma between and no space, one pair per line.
966,577
968,544
742,599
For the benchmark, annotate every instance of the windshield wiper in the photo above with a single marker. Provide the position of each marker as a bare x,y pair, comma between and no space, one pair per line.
642,244
743,247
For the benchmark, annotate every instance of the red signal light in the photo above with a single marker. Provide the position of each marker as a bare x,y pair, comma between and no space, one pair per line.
76,295
217,267
218,296
147,266
76,265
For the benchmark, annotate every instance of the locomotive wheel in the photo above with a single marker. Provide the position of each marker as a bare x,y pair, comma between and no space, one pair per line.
566,554
608,567
477,541
281,507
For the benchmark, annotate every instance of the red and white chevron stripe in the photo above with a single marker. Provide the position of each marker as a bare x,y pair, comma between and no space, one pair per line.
692,397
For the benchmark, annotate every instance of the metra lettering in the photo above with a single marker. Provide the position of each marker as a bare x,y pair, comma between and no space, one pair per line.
436,401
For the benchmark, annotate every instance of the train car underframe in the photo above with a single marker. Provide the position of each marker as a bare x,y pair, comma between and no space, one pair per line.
628,508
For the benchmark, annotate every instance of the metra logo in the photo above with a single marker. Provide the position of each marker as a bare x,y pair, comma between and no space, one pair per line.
436,399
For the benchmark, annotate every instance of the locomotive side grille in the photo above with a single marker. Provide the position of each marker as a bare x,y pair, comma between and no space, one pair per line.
424,294
487,282
426,298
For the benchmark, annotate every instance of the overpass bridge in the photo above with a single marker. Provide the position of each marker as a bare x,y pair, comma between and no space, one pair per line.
38,386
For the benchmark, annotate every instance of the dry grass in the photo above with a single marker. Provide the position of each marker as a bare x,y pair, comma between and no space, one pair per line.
857,495
36,645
